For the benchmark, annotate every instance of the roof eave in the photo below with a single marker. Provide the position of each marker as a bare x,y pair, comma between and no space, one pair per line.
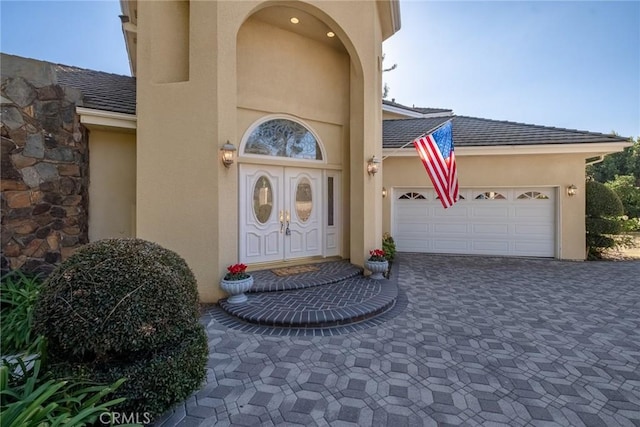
390,17
102,119
592,148
130,31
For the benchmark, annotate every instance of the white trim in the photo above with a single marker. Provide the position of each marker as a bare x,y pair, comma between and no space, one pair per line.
91,117
498,150
411,113
269,117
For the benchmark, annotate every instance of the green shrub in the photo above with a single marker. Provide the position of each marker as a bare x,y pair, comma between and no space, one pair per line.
126,308
603,222
389,247
602,201
156,381
629,194
31,397
18,294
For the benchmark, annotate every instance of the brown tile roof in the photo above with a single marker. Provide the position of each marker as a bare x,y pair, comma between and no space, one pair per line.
102,91
472,131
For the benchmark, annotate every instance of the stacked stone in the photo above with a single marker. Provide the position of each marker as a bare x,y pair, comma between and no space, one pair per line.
44,175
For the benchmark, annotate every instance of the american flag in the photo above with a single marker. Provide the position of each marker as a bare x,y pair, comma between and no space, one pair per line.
436,152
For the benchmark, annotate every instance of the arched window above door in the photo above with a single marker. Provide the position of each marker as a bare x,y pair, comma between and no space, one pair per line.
283,138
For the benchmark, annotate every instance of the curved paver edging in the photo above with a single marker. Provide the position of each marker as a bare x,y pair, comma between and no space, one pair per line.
347,301
369,304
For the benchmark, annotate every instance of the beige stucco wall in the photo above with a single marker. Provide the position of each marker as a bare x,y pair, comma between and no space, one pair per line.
559,171
112,184
186,200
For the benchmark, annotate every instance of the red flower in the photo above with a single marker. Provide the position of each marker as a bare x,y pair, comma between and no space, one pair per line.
377,255
236,272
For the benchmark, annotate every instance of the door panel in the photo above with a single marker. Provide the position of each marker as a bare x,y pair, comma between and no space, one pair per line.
260,205
303,202
280,213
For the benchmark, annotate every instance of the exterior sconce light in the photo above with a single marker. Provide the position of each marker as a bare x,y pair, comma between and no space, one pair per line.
384,192
228,153
372,165
572,190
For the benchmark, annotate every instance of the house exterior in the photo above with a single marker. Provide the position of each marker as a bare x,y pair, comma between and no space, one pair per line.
295,89
514,180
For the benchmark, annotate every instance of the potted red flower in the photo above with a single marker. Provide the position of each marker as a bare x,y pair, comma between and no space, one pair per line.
236,282
377,264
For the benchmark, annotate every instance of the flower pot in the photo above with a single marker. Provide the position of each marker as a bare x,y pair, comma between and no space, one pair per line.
377,268
237,288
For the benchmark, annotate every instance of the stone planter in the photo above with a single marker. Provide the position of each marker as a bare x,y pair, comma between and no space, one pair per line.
236,289
377,268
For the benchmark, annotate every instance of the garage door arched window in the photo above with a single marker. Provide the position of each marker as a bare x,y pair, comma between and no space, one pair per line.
412,196
283,138
490,195
533,195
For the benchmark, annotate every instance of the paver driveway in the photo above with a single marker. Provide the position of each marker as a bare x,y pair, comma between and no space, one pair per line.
482,341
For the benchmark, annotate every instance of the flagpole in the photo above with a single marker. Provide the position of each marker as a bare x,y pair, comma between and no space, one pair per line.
424,134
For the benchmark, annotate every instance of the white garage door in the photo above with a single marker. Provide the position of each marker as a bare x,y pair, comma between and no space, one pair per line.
508,221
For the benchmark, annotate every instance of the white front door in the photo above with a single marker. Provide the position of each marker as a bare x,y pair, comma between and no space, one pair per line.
280,213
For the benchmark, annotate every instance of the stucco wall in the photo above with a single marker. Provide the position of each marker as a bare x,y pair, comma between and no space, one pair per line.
112,185
186,200
508,171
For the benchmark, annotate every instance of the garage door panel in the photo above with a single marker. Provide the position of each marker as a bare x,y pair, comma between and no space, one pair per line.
450,245
491,229
510,226
534,231
490,212
533,211
453,212
493,247
444,229
533,248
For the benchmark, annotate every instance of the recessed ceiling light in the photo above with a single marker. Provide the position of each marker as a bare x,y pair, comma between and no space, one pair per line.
331,34
294,20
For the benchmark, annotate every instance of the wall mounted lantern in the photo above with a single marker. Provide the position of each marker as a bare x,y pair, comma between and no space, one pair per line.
372,165
572,190
228,152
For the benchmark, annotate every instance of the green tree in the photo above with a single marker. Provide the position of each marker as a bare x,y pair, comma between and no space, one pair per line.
625,162
626,188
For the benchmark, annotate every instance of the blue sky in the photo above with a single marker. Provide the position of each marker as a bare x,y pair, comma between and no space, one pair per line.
573,64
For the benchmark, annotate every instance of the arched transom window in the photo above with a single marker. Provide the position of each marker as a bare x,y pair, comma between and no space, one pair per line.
283,138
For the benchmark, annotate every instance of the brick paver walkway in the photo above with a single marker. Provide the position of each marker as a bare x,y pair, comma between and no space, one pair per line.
482,341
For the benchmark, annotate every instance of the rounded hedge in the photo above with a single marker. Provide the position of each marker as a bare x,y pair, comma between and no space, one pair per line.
154,383
125,308
114,296
602,201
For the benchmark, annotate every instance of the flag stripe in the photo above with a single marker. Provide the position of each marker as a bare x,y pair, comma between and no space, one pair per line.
442,171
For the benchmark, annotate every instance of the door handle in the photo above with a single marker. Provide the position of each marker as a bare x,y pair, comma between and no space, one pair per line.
281,221
288,231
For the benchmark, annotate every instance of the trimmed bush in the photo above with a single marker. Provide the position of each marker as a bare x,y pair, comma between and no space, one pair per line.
602,201
603,209
126,308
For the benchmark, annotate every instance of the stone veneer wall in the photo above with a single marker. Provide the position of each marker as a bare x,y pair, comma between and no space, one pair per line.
44,175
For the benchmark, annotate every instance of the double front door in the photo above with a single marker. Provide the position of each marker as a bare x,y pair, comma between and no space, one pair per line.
280,213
